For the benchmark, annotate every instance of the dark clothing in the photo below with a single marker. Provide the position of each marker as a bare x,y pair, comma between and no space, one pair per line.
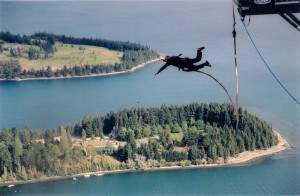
198,58
186,64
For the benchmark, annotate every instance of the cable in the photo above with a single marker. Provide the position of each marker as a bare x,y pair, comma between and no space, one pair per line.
236,106
287,91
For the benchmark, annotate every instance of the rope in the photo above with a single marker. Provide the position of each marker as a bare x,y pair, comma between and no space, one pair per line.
214,80
236,106
286,90
218,83
249,20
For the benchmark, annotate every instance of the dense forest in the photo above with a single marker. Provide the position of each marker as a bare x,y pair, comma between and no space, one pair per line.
206,135
133,55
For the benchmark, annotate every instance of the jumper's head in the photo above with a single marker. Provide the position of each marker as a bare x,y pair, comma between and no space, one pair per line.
165,58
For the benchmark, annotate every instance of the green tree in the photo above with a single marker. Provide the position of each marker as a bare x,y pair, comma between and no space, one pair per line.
5,158
193,154
176,128
25,136
131,141
50,155
49,72
184,125
4,175
138,132
83,135
32,53
165,138
36,135
69,136
17,151
23,173
49,136
214,155
7,136
64,143
191,137
18,147
123,134
200,124
19,51
12,52
128,152
146,131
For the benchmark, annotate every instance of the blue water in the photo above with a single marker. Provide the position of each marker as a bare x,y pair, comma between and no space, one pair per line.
171,28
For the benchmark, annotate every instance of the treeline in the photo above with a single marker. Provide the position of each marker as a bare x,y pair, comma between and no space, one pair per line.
52,38
207,136
208,129
112,45
133,55
26,155
10,69
45,44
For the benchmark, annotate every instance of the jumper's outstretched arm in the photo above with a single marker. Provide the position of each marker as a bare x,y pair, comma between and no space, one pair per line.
162,68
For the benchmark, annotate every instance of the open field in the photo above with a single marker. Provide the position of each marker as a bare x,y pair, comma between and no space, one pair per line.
66,54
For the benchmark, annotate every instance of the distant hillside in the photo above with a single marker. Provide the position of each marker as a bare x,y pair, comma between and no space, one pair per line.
50,55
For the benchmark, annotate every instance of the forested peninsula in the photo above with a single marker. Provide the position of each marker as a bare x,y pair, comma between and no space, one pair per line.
192,135
30,56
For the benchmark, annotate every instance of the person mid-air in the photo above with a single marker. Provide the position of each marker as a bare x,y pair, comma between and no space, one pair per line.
186,64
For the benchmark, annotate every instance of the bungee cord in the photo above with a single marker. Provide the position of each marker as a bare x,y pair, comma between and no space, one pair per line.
218,83
202,72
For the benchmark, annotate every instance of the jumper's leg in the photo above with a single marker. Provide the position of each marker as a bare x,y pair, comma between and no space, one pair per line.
197,59
197,67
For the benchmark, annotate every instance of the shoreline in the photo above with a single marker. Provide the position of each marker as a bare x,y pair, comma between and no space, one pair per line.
241,158
86,76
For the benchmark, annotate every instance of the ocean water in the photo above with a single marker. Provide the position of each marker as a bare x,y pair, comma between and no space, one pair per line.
171,28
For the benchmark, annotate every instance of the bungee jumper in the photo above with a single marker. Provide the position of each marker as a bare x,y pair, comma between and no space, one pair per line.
188,65
184,64
285,8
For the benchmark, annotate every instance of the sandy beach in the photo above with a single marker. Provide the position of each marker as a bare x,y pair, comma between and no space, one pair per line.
241,158
86,76
249,155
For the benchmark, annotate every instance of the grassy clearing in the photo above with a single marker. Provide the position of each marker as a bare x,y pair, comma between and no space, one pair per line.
66,54
181,149
110,159
107,160
142,141
97,143
102,143
177,136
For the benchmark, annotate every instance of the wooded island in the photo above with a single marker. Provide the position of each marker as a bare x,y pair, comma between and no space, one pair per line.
137,138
